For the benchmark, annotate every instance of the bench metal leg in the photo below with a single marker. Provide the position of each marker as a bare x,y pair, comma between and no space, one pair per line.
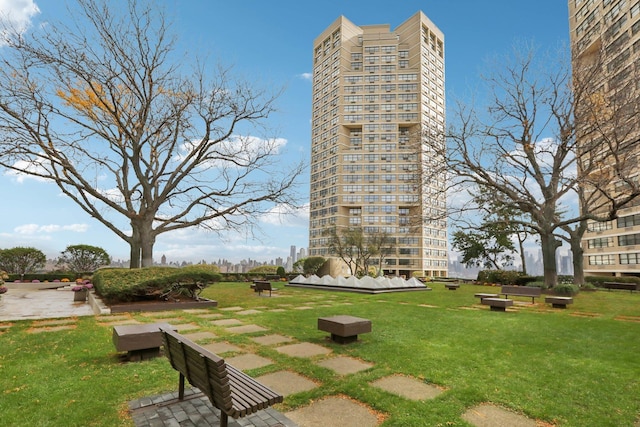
181,387
224,419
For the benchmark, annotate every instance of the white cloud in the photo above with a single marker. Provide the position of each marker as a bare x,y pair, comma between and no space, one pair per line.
16,15
242,149
286,215
26,166
306,76
30,229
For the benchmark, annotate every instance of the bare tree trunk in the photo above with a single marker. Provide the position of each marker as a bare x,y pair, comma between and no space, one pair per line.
134,247
578,262
549,244
523,256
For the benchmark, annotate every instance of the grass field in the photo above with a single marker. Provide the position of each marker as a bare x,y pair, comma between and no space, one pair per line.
573,367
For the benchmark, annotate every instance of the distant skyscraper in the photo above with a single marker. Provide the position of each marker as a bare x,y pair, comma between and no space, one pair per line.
607,33
376,94
292,253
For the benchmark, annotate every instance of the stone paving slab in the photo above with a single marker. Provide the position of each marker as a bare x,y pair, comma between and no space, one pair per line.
221,347
245,312
195,410
246,329
303,350
271,339
407,387
286,382
334,411
226,322
248,361
487,415
196,310
199,336
51,329
52,322
344,365
236,308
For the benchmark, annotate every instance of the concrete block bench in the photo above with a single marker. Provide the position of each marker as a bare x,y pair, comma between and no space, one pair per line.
344,329
141,342
617,285
497,304
451,286
483,296
558,302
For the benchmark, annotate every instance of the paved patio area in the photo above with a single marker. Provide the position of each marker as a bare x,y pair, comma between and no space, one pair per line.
18,304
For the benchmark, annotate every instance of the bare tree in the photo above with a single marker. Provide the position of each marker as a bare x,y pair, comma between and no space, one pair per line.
357,248
524,150
129,130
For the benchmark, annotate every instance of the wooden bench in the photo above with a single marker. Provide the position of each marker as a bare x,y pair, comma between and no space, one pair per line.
497,304
141,342
344,329
230,390
558,302
451,286
619,285
260,286
521,291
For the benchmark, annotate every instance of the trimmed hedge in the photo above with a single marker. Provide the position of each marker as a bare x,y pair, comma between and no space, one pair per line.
125,285
598,281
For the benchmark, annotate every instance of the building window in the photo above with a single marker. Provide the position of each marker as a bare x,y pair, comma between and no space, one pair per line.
599,226
604,242
629,221
629,240
602,260
633,258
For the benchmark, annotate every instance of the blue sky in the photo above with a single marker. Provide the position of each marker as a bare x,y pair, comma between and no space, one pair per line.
270,42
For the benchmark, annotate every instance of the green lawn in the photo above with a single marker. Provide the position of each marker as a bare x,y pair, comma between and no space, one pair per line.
573,367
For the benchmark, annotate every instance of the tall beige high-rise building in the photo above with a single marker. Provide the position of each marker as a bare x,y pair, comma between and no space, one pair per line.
607,33
376,93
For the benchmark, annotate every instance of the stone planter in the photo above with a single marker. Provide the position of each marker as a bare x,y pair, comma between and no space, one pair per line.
80,295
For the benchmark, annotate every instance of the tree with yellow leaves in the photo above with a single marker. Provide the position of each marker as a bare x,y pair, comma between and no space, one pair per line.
110,98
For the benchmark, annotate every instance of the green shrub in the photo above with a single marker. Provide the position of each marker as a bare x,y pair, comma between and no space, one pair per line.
262,270
567,289
537,284
565,279
125,285
523,280
501,277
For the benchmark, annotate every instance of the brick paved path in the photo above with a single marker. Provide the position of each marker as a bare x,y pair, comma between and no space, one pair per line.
195,411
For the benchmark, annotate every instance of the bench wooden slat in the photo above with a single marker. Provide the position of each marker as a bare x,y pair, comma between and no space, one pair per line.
521,291
232,391
251,386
